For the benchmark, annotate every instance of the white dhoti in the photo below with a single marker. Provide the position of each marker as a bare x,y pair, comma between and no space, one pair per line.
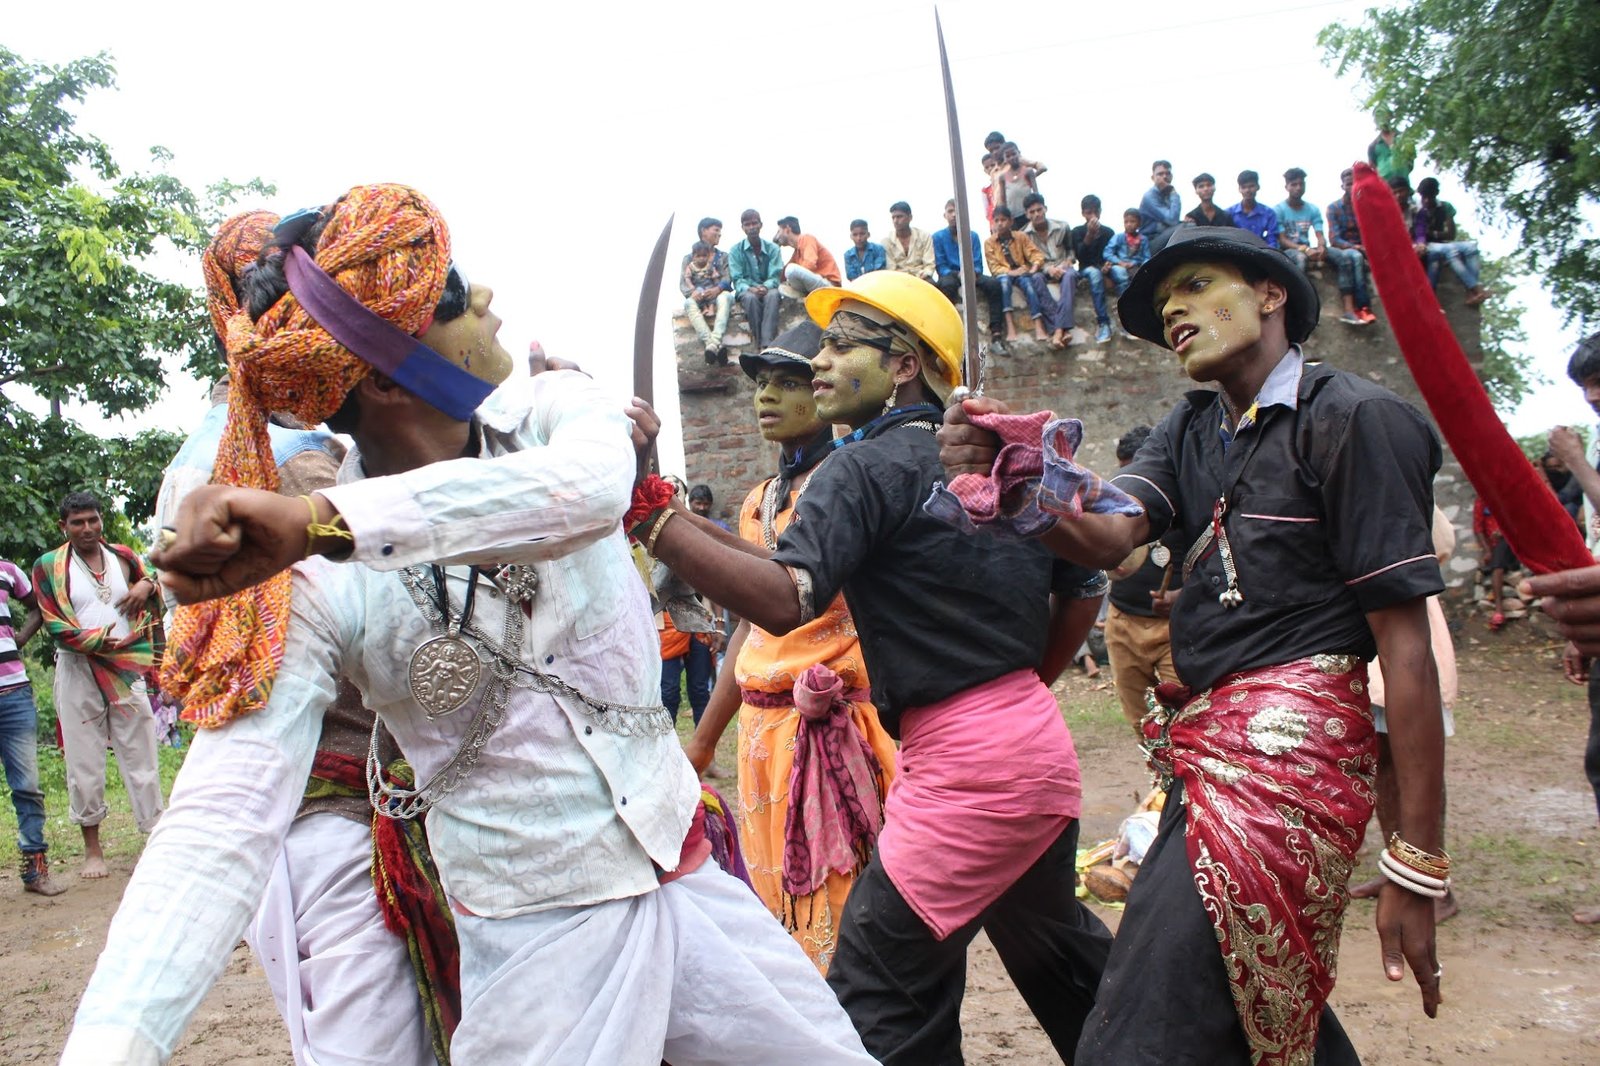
343,982
696,973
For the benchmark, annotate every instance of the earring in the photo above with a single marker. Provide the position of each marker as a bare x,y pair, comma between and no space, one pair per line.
888,405
1269,308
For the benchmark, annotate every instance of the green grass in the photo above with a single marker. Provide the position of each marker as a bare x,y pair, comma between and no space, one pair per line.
119,837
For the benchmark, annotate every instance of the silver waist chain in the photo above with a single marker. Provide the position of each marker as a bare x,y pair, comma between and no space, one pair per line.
507,671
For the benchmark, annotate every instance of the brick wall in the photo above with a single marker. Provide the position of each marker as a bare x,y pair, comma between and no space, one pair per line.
1109,386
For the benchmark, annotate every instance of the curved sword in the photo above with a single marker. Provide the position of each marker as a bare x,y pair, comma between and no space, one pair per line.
644,324
972,365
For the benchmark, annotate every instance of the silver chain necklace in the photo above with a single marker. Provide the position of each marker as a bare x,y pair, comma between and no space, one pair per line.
507,671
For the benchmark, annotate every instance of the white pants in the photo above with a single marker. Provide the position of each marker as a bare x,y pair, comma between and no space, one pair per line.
696,973
88,724
342,981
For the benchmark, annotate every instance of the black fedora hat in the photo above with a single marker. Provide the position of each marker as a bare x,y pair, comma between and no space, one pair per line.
1189,244
794,347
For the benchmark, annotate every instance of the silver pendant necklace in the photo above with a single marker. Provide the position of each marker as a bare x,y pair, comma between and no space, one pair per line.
444,670
102,587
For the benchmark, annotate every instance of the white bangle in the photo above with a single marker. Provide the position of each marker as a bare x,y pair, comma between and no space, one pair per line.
1411,873
1412,881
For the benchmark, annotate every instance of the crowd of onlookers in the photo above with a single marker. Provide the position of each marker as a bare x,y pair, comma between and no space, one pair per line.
1033,262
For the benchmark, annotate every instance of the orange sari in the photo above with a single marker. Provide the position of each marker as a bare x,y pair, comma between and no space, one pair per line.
771,664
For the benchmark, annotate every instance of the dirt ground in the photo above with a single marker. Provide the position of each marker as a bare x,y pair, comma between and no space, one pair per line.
1522,982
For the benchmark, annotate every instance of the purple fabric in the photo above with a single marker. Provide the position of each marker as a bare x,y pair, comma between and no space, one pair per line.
411,364
835,810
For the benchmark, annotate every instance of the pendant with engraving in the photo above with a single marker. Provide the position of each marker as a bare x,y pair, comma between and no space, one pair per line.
103,593
1230,598
1161,555
443,675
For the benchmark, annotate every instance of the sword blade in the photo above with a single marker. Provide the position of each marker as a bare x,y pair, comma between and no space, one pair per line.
972,364
644,325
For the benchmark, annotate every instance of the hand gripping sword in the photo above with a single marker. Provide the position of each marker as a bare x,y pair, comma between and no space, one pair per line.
974,357
644,325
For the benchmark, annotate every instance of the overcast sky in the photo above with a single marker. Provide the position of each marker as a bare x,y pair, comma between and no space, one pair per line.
557,139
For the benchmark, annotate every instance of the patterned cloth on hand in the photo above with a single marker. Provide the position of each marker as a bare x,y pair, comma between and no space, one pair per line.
1034,482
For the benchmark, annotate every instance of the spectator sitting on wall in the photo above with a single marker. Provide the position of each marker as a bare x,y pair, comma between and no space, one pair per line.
1054,241
995,190
812,266
1348,256
710,231
1018,180
705,298
1434,231
863,256
757,269
1248,214
1089,243
1161,208
908,249
1298,221
947,261
1208,213
1019,265
1127,252
995,144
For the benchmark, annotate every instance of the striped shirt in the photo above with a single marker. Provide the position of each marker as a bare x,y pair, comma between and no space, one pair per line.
13,582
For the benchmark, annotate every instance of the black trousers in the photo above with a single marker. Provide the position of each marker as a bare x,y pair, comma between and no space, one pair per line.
1165,999
989,288
902,987
1591,754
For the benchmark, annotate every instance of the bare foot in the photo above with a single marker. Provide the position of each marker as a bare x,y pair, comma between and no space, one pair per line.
1058,339
94,868
1369,889
1587,916
1445,909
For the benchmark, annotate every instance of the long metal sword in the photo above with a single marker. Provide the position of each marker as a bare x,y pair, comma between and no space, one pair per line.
644,324
972,363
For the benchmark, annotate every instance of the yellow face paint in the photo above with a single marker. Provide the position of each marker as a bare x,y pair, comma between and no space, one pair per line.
850,383
785,410
1209,313
471,341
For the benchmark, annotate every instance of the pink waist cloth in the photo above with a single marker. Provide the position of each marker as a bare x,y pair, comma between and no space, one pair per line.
988,779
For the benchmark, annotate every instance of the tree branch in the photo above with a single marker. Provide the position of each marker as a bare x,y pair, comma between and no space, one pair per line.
23,374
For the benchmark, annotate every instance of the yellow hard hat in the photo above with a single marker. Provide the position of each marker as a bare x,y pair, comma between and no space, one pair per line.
921,307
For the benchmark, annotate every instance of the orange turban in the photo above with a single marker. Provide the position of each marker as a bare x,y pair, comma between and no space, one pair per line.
235,247
387,246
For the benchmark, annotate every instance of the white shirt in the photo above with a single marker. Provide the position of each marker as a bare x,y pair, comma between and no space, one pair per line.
557,812
90,610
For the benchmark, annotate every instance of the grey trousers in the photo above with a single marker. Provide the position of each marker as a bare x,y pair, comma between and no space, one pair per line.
88,725
761,312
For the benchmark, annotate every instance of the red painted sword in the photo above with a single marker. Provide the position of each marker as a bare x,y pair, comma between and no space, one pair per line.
1537,527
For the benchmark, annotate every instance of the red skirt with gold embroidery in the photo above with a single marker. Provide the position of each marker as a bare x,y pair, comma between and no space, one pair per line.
1277,767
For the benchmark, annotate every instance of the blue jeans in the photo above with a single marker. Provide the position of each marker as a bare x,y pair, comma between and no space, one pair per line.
1095,276
1462,257
697,660
1032,286
1005,281
19,747
1352,268
1119,277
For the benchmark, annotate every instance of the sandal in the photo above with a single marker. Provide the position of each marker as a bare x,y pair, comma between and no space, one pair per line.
1497,620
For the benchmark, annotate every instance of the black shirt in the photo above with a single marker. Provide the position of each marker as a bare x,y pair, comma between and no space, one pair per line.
938,611
1329,512
1131,594
1224,217
1090,253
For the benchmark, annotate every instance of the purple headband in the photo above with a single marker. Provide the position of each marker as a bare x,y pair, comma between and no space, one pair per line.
411,364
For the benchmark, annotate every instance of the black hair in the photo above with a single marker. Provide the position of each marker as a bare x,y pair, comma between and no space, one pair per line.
267,283
79,501
1160,163
1002,211
1294,174
790,221
854,222
1134,211
1346,173
1129,443
1249,177
1031,199
1009,144
1585,361
1090,203
950,202
994,135
1428,188
746,213
701,492
704,222
701,248
1203,176
900,205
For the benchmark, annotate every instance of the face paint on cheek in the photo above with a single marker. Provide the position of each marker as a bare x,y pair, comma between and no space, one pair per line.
1225,314
855,384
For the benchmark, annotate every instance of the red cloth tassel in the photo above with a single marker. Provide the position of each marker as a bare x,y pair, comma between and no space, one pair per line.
1537,527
